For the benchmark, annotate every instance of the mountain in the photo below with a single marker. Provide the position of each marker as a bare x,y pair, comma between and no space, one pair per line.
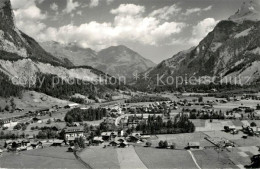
76,55
23,60
250,10
14,44
115,60
230,52
122,61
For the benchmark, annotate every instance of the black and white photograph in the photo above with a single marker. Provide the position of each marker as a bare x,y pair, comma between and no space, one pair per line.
129,84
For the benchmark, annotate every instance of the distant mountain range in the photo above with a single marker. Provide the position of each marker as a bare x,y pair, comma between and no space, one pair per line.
230,52
115,60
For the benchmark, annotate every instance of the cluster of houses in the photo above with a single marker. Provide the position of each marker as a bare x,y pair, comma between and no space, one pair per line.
117,139
71,133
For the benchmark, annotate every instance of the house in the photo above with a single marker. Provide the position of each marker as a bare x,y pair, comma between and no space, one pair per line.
123,144
36,144
1,152
71,133
30,137
133,139
106,135
71,106
193,145
114,143
98,140
121,140
57,142
36,120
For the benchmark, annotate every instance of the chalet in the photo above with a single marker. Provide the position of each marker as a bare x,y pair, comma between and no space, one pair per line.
121,140
71,106
30,137
71,133
132,139
57,142
36,120
98,140
193,145
114,143
43,111
123,144
36,144
19,109
108,135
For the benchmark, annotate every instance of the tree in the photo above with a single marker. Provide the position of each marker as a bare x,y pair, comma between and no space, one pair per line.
160,144
48,121
200,99
13,105
7,108
148,144
173,146
253,124
165,144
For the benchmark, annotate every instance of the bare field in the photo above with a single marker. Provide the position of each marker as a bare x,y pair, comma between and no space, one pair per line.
164,158
51,157
100,158
210,158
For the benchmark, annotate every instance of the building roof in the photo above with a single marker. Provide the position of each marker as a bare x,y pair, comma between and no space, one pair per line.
73,104
98,139
58,141
193,144
74,129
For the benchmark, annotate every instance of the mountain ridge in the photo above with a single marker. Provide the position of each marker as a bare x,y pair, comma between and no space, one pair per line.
114,60
230,52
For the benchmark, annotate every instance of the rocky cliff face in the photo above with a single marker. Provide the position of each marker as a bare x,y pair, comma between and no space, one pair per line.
115,60
21,57
14,44
231,51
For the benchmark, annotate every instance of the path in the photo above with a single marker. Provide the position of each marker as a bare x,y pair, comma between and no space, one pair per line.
194,159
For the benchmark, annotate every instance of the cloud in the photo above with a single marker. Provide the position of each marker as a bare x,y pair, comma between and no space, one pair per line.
200,30
166,12
109,2
54,6
28,16
128,9
129,25
79,12
31,13
71,6
196,10
93,3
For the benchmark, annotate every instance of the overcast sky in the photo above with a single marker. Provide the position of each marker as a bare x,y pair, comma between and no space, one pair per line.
157,29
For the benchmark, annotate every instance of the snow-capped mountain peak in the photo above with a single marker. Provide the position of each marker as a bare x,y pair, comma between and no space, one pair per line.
250,10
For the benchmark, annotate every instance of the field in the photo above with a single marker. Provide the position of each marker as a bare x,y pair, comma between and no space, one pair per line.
50,157
160,158
98,157
210,158
136,157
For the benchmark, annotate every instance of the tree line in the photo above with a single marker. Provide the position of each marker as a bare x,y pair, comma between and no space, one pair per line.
79,115
156,125
137,99
8,89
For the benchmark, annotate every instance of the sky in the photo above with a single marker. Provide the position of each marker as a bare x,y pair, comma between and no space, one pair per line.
156,29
